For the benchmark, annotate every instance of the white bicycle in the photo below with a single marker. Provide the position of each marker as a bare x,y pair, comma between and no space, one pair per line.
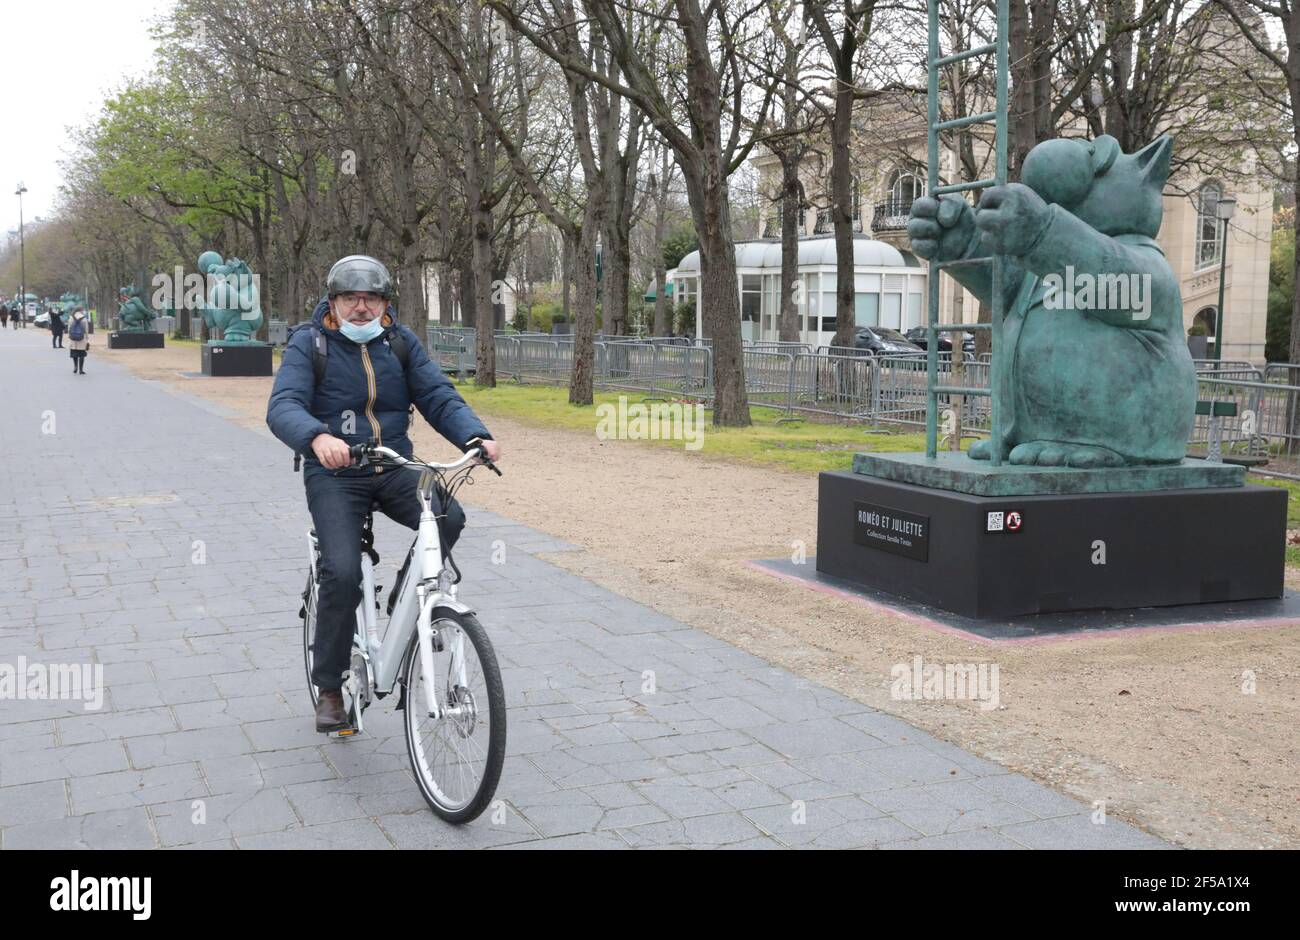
452,697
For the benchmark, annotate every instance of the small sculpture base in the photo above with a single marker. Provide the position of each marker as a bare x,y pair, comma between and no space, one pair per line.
236,359
135,339
987,557
959,473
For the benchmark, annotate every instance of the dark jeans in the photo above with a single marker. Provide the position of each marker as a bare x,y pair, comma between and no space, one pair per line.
338,507
57,340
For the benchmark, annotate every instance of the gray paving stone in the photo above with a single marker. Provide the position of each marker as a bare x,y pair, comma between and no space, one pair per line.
231,815
204,743
345,834
1079,832
602,841
115,829
681,800
81,729
911,764
701,831
973,839
33,802
818,737
128,788
424,830
74,760
1023,792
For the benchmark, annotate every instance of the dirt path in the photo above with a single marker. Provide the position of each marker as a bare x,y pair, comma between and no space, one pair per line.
1156,725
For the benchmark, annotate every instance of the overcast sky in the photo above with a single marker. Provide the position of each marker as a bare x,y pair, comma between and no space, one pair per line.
61,59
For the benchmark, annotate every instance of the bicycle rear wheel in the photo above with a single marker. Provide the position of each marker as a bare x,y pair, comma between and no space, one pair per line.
309,598
457,758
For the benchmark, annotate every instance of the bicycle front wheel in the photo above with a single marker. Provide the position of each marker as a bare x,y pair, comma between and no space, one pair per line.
457,758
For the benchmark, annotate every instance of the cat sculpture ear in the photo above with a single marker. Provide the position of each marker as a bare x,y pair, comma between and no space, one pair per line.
1153,160
1102,153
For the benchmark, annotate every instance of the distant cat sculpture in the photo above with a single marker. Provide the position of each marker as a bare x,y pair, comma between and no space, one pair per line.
1097,371
134,314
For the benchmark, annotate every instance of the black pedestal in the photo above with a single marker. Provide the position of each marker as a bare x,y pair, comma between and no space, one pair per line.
236,359
130,339
983,556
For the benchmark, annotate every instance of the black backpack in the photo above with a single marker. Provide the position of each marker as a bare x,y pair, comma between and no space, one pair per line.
397,342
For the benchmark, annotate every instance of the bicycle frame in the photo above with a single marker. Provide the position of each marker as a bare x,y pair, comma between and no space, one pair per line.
427,587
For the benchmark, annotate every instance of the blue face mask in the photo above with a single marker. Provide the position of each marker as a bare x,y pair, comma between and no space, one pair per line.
362,334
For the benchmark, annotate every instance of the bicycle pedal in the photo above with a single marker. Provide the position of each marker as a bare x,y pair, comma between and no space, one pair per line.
342,733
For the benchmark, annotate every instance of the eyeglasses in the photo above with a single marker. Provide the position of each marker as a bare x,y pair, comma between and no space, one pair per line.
352,301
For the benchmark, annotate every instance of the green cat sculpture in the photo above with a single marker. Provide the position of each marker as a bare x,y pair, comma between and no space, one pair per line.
134,314
1097,372
233,310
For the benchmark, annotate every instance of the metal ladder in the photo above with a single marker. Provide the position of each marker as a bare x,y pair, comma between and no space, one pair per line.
998,117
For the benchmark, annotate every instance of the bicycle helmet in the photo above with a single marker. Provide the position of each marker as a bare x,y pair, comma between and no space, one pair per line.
359,273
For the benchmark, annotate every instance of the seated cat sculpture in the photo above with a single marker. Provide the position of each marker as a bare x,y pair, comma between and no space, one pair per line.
1096,369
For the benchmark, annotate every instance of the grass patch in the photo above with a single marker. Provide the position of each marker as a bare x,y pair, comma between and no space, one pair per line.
802,446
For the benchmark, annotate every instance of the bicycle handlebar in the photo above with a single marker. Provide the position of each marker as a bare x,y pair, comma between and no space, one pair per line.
361,453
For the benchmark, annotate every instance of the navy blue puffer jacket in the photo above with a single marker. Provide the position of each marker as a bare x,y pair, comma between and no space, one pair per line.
363,398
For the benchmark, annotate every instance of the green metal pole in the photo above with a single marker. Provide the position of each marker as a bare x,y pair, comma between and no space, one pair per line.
1218,317
998,360
935,273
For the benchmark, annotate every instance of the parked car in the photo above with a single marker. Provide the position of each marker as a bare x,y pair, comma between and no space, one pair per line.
917,336
42,320
882,341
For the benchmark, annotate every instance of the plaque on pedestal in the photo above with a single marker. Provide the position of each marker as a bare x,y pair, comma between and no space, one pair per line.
236,359
135,339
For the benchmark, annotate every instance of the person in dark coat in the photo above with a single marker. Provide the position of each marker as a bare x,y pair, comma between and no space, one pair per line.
56,328
363,397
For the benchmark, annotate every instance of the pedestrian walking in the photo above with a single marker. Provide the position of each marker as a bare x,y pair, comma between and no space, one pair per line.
4,316
56,328
78,341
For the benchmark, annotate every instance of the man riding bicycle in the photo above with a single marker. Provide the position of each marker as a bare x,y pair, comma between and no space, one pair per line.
352,378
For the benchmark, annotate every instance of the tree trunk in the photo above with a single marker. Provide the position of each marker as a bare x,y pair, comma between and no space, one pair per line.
584,321
446,294
486,350
788,323
467,311
842,197
566,274
719,296
497,296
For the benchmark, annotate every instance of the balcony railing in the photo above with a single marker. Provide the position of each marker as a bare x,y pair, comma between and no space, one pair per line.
891,215
826,223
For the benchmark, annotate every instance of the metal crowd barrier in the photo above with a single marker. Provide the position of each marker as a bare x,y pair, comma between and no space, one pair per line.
886,389
1266,425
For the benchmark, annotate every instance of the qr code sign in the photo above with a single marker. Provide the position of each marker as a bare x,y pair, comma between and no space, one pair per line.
995,522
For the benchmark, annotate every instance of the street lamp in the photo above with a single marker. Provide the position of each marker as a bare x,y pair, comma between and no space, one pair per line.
22,257
1223,209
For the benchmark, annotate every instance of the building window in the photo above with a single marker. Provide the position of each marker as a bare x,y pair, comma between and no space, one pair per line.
905,186
1209,230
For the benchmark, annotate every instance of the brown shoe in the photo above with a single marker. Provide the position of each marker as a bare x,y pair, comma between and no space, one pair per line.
330,714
